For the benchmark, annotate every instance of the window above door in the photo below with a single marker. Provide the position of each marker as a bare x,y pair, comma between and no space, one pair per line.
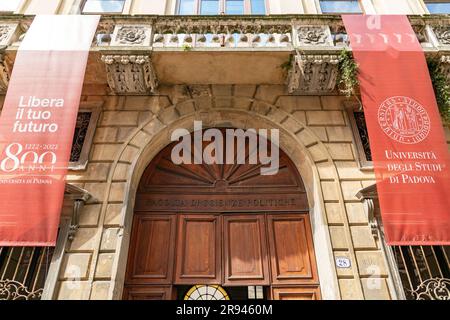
216,7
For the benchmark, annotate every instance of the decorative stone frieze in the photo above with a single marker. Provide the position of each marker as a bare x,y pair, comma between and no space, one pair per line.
443,35
236,40
130,74
8,33
313,74
229,33
131,35
313,36
103,35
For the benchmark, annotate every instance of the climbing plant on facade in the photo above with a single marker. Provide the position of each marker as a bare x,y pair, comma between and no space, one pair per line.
441,88
348,75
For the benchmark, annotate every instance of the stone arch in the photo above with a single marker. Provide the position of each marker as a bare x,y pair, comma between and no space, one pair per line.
299,142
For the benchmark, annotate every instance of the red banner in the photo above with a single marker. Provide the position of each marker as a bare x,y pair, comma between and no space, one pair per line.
37,125
409,150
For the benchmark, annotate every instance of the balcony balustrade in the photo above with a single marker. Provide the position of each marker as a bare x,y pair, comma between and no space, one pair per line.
139,52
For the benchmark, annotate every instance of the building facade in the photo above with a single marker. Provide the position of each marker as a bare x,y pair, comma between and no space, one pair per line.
129,226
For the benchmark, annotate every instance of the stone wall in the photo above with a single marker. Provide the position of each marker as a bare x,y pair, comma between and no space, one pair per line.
318,125
93,264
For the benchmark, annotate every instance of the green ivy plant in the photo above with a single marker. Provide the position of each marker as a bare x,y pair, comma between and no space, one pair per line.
441,88
287,65
348,75
187,47
348,82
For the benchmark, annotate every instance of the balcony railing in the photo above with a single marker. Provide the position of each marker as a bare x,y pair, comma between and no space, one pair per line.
230,32
129,43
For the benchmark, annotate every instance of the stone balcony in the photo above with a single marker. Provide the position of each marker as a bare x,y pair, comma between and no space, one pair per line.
133,54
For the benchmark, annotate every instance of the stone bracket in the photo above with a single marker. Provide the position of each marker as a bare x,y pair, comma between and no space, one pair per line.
130,74
369,196
79,197
313,74
74,222
4,72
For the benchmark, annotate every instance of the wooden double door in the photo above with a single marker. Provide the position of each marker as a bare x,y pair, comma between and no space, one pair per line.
227,225
257,249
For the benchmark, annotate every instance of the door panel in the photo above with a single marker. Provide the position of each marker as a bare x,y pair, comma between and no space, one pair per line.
245,250
152,249
147,293
295,293
220,224
198,250
292,258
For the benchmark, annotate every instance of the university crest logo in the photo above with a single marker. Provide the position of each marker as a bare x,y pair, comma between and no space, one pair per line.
404,120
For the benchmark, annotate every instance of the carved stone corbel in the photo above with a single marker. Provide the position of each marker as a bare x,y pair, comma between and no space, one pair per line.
4,71
77,207
313,74
77,197
368,197
131,35
130,74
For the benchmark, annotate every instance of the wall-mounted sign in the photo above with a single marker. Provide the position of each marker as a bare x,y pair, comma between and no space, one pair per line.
221,202
343,262
409,149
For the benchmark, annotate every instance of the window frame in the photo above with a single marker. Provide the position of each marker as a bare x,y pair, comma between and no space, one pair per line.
83,3
426,2
364,164
82,162
361,7
222,7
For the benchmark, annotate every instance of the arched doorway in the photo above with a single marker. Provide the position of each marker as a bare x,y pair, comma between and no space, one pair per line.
208,231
